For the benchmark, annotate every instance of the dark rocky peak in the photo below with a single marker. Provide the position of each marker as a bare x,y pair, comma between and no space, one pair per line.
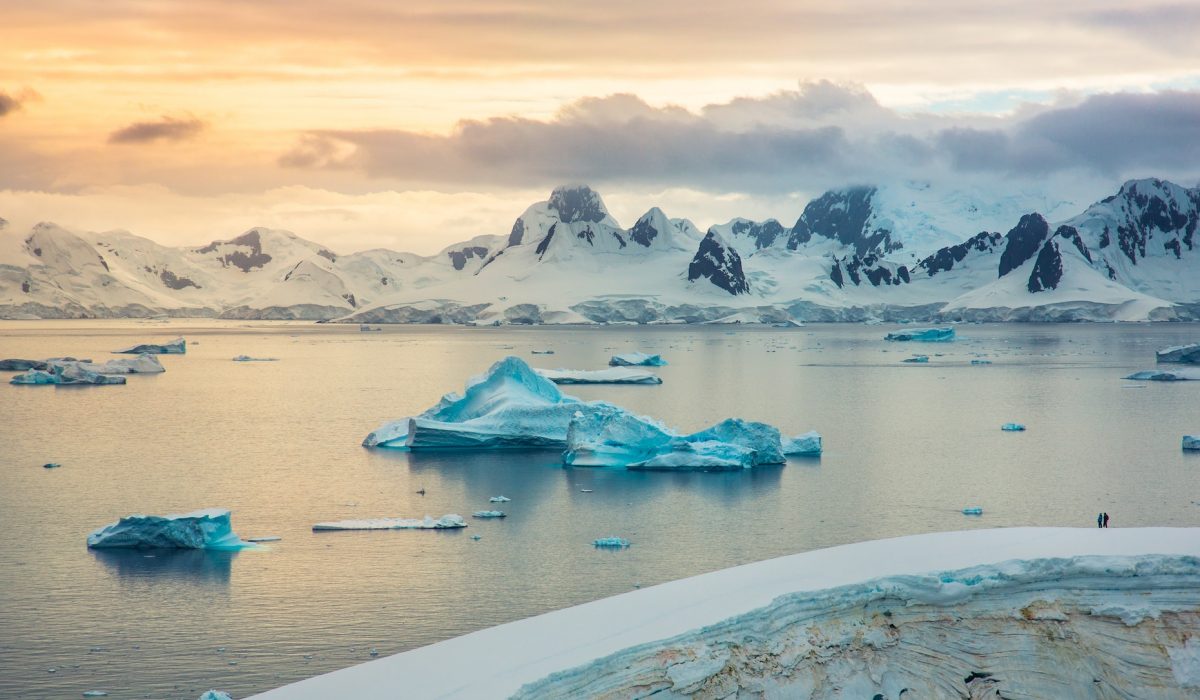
719,263
577,203
518,232
1071,234
459,258
650,228
544,244
1024,241
1145,209
870,268
240,259
843,216
763,233
946,258
1047,269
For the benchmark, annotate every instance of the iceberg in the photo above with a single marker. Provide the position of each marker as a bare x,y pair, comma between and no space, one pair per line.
981,362
247,358
1186,354
608,436
1191,442
612,375
201,529
616,542
807,444
1162,375
446,522
171,347
541,352
973,510
1013,427
499,499
215,695
142,364
66,374
923,335
488,514
637,359
18,365
509,406
919,359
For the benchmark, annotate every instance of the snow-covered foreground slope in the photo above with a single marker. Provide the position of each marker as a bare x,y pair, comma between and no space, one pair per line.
1017,613
895,252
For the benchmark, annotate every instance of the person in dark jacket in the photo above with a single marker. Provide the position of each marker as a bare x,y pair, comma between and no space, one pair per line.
1100,520
1106,520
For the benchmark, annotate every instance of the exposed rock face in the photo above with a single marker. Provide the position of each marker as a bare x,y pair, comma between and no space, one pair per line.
844,216
762,234
1047,270
578,203
1023,242
459,258
946,258
718,262
241,259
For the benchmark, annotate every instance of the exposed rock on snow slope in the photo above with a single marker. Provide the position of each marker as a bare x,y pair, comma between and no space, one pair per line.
899,251
1023,612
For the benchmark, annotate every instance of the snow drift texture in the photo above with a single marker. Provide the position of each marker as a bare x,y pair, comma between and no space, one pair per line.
202,529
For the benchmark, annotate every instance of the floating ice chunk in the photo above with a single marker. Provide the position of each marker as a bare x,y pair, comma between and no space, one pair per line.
608,436
541,352
973,510
488,514
476,537
611,542
265,538
201,529
1162,375
981,362
640,359
1187,354
94,694
51,465
919,359
1191,442
142,364
66,374
171,347
807,444
247,358
364,328
392,434
1013,427
612,375
215,695
446,522
18,365
499,499
35,376
924,335
509,406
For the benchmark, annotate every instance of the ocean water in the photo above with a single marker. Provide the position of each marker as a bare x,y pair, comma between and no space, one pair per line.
907,447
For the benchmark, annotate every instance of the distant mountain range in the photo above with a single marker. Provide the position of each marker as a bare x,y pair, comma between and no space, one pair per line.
909,252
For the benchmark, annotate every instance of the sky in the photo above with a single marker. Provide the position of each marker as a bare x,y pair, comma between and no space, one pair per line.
417,124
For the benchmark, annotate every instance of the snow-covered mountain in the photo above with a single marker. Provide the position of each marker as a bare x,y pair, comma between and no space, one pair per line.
909,251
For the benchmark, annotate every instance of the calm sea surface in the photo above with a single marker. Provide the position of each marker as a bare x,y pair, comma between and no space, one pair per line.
907,447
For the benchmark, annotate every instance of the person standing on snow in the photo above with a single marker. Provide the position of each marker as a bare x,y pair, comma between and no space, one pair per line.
1100,520
1106,520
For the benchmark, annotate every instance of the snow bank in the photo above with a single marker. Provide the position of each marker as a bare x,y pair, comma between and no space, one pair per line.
924,335
171,347
446,522
807,444
201,529
612,375
1019,612
637,359
1188,354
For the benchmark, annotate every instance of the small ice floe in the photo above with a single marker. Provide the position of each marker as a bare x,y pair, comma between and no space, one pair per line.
171,347
488,514
476,537
614,542
637,359
973,510
247,358
585,490
612,375
1191,442
446,522
922,335
541,352
70,374
981,362
917,359
267,538
373,652
1161,375
1013,427
807,444
95,694
215,695
499,499
201,529
51,465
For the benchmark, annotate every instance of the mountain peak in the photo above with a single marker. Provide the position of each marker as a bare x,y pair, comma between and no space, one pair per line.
577,203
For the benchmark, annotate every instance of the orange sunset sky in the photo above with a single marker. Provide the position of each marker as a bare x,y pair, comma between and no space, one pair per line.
415,124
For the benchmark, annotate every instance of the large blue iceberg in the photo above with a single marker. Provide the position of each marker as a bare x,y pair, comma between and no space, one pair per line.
637,359
171,347
923,335
202,529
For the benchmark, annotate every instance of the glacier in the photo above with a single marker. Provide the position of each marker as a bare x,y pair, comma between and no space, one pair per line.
612,375
808,444
177,346
1186,354
1191,442
637,359
449,521
923,335
1024,612
202,529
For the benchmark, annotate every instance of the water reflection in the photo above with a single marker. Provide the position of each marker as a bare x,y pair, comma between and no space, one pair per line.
194,565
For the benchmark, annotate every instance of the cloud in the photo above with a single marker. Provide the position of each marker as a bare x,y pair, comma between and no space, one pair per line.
817,136
165,129
10,103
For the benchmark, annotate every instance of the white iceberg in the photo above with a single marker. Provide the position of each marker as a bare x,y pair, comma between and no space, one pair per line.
1045,613
612,375
807,444
1162,375
510,406
1191,442
488,514
171,347
446,522
1013,427
923,335
499,499
917,359
612,437
142,364
201,529
1187,354
73,373
637,359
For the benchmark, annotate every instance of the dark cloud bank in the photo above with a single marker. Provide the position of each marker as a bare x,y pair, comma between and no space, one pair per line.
165,129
